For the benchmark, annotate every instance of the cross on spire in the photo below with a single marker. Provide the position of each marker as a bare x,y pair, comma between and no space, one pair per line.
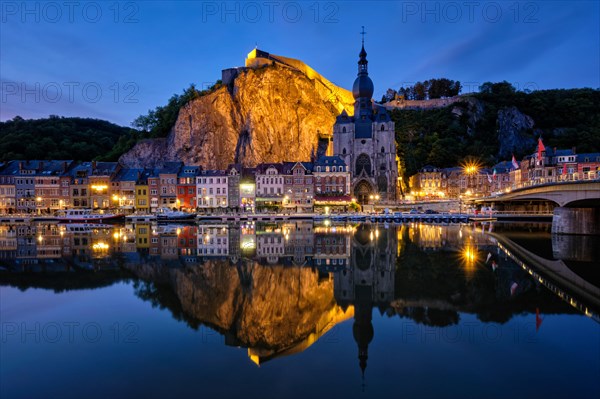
363,33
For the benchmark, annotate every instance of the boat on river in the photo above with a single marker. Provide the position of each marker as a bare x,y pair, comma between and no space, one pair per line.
87,215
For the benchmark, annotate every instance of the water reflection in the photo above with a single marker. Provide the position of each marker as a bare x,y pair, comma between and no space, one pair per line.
276,288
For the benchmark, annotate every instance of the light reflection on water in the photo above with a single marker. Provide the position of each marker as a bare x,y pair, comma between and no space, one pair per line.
321,309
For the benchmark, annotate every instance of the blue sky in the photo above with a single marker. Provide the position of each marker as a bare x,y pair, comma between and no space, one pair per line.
116,60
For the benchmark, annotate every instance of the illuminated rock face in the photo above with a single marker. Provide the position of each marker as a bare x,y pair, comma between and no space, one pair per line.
267,112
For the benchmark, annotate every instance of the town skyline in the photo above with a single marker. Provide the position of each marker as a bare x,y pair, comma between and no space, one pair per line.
543,46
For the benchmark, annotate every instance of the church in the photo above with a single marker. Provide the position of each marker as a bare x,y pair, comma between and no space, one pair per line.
366,142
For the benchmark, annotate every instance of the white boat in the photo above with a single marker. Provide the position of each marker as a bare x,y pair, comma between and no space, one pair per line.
140,218
84,227
165,214
86,215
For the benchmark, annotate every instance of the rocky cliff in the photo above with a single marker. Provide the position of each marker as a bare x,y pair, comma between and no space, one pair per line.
514,131
269,114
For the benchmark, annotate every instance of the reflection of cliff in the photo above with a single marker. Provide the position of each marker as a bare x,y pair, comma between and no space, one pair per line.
271,310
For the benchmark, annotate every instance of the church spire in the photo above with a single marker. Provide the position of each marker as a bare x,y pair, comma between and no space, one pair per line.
362,90
362,56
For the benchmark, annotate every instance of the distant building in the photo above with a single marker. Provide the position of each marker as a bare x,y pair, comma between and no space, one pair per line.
234,172
299,185
211,189
142,192
269,185
167,176
187,198
103,173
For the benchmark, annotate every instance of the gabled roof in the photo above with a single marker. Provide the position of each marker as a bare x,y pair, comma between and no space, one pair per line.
503,167
263,167
213,172
127,174
329,161
170,168
591,156
429,169
144,175
189,171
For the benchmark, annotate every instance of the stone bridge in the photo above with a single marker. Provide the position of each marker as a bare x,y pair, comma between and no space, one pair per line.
576,205
579,194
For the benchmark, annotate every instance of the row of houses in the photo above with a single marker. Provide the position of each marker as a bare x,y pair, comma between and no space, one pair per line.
47,186
546,165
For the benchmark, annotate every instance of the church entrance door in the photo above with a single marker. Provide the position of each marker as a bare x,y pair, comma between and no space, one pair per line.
362,191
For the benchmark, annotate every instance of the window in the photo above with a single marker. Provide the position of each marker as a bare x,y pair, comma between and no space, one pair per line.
344,129
363,163
344,151
382,129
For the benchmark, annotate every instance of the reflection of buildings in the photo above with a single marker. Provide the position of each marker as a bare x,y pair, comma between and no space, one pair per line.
368,281
53,247
213,240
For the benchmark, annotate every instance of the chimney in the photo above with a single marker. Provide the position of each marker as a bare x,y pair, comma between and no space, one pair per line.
65,166
20,165
574,150
93,166
41,165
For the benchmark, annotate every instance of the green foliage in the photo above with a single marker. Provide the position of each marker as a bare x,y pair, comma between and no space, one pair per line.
563,118
62,138
432,136
429,89
353,207
159,121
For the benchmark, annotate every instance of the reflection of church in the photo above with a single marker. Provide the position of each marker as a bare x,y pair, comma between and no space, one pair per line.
368,281
366,141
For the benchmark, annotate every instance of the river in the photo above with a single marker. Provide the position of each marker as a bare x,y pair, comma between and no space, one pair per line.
298,309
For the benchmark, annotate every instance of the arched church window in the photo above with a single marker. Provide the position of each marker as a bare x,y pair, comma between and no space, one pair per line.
382,127
363,162
382,184
382,149
344,129
344,151
382,166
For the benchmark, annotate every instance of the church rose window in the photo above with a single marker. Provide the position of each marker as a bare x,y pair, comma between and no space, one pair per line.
363,163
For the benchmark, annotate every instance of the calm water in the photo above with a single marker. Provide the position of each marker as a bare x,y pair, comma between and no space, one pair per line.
297,310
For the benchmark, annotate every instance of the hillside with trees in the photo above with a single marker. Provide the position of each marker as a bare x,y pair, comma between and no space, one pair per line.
481,126
64,138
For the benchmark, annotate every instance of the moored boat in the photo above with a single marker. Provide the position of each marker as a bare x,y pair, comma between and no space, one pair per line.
86,215
167,215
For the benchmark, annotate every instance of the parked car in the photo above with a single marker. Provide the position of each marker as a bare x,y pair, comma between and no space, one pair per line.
431,212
